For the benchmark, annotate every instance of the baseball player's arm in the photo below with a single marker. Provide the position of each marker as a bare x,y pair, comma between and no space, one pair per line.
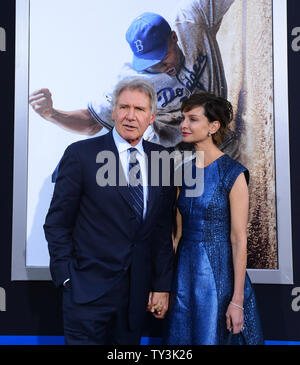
79,121
208,13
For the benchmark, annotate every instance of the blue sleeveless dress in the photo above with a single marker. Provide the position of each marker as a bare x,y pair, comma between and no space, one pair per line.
203,281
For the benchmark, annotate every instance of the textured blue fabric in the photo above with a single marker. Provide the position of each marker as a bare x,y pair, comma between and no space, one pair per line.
203,281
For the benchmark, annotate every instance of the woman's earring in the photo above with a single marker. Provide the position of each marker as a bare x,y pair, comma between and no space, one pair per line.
209,134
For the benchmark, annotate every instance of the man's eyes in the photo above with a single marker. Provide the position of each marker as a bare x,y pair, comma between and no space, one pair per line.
136,108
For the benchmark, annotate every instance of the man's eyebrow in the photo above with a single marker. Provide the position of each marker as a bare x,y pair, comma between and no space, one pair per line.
136,106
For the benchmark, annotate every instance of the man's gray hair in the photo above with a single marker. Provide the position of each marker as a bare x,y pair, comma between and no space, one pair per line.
135,84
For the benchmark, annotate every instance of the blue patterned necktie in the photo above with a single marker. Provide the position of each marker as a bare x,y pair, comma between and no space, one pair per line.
136,185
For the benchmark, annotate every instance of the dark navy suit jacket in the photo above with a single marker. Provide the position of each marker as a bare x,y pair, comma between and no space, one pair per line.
92,234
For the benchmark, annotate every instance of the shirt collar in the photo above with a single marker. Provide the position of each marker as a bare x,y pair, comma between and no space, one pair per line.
122,145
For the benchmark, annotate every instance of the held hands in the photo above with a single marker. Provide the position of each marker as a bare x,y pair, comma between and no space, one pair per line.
41,102
158,304
235,318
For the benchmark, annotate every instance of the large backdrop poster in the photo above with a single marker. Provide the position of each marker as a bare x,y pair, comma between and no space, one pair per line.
77,50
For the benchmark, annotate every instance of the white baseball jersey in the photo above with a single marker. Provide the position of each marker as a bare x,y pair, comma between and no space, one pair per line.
196,24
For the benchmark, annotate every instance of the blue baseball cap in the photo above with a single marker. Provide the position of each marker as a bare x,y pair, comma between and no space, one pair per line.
148,38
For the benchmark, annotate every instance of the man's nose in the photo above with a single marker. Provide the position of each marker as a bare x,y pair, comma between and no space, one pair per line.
131,114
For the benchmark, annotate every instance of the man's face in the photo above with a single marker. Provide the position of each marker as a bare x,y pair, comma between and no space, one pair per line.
171,63
132,115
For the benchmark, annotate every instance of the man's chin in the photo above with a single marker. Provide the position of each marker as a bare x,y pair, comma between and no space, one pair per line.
131,138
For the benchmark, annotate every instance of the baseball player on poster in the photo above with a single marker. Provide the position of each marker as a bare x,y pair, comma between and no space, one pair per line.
178,61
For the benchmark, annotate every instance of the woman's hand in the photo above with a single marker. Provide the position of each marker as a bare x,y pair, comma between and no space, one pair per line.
234,319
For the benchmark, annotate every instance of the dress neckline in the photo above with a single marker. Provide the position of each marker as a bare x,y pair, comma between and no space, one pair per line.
210,163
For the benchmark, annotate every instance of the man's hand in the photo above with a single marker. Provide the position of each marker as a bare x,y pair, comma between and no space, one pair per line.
41,102
158,304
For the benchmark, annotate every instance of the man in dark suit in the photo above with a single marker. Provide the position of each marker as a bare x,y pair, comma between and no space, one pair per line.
110,243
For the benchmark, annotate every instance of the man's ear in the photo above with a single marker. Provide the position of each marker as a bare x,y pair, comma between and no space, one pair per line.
173,36
113,115
152,118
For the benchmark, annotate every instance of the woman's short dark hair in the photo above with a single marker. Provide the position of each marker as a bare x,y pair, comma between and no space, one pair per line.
215,108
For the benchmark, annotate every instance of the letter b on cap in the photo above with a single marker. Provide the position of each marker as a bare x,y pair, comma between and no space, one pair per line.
139,45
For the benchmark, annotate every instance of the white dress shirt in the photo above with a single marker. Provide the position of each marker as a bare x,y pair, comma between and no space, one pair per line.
123,149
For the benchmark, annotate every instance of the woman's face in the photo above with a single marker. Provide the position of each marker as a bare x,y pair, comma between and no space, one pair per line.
195,126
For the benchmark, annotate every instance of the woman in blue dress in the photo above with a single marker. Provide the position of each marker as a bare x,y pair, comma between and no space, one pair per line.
212,294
